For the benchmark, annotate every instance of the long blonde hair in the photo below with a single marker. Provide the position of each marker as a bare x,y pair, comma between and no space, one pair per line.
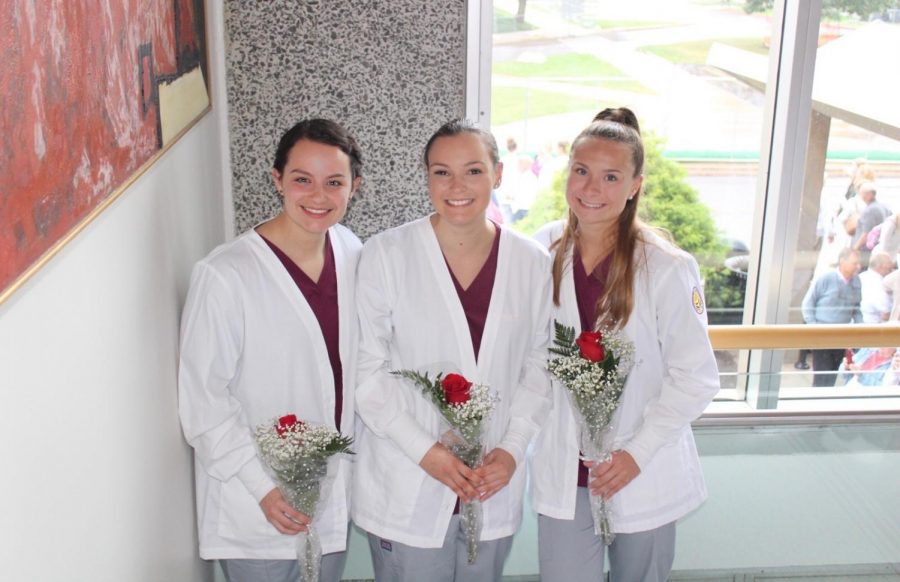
616,303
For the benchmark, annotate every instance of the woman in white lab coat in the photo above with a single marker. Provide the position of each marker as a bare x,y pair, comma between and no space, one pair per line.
269,329
450,292
611,271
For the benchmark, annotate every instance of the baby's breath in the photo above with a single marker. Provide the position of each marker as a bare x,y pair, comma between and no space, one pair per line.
468,417
298,458
594,389
467,421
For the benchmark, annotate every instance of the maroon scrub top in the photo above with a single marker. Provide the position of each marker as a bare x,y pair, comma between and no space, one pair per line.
322,297
588,289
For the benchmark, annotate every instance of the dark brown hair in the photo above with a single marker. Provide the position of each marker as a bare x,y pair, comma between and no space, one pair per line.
322,131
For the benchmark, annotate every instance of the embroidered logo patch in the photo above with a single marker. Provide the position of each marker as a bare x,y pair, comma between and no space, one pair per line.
386,545
697,300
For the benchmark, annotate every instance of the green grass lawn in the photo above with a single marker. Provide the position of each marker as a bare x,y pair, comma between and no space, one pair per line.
573,68
695,52
510,104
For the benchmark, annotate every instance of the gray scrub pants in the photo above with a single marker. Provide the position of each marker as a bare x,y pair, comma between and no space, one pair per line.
396,562
281,570
569,551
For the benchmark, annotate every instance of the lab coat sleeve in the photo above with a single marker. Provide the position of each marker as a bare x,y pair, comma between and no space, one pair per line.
379,399
690,378
532,397
211,417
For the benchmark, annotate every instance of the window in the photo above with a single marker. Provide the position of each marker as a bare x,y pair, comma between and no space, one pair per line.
753,121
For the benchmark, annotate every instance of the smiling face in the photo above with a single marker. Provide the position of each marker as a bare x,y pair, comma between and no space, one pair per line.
461,176
316,185
601,181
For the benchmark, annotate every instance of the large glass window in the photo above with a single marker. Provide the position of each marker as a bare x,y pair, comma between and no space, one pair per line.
755,115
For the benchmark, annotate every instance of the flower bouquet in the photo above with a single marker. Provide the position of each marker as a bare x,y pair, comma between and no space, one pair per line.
465,407
297,454
593,367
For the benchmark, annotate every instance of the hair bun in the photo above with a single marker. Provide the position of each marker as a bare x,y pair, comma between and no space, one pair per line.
621,115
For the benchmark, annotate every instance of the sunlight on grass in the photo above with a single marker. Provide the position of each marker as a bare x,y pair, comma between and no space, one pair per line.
695,52
510,104
567,65
573,68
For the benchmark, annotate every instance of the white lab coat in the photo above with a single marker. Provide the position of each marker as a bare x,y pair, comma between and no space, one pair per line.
411,318
251,350
673,380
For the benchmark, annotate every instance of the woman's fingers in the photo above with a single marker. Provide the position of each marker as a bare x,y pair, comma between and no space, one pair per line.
281,515
495,472
610,477
443,465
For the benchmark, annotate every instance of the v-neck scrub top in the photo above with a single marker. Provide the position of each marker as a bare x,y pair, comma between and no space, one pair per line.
588,289
322,297
476,298
411,318
252,350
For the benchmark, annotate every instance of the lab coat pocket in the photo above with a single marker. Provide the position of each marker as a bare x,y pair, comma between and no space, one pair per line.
240,516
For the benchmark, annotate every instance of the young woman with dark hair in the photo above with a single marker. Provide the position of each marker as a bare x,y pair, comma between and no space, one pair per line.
270,328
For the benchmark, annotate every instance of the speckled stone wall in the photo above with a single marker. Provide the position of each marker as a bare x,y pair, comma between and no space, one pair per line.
391,71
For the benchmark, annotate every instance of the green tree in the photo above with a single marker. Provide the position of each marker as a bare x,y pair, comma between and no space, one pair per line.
667,202
860,8
670,203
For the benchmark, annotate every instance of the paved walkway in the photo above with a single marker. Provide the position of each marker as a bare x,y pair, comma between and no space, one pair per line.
707,112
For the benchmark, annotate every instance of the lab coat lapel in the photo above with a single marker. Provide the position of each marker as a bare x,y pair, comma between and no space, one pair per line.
447,289
567,312
294,297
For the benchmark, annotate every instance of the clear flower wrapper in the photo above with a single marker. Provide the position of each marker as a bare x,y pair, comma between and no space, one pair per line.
464,408
471,513
594,368
302,460
596,446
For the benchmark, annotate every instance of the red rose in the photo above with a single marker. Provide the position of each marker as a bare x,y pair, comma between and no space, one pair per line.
456,388
285,423
589,342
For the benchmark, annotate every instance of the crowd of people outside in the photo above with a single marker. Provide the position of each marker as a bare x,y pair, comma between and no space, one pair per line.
856,281
525,175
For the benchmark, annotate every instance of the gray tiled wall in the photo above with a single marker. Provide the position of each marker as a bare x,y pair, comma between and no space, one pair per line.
391,71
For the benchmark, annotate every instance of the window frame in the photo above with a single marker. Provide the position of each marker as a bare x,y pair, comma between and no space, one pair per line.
785,141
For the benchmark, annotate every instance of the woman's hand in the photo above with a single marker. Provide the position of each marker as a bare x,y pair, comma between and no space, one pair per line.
495,471
280,514
609,477
443,465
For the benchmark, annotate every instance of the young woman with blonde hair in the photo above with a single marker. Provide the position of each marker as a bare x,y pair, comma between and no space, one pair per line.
612,271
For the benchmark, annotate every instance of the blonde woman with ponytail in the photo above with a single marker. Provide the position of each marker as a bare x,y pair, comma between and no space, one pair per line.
612,271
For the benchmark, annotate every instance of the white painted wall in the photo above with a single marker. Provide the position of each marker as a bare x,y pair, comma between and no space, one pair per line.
96,481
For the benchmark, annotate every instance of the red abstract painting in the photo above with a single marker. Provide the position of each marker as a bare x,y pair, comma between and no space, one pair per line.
80,109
